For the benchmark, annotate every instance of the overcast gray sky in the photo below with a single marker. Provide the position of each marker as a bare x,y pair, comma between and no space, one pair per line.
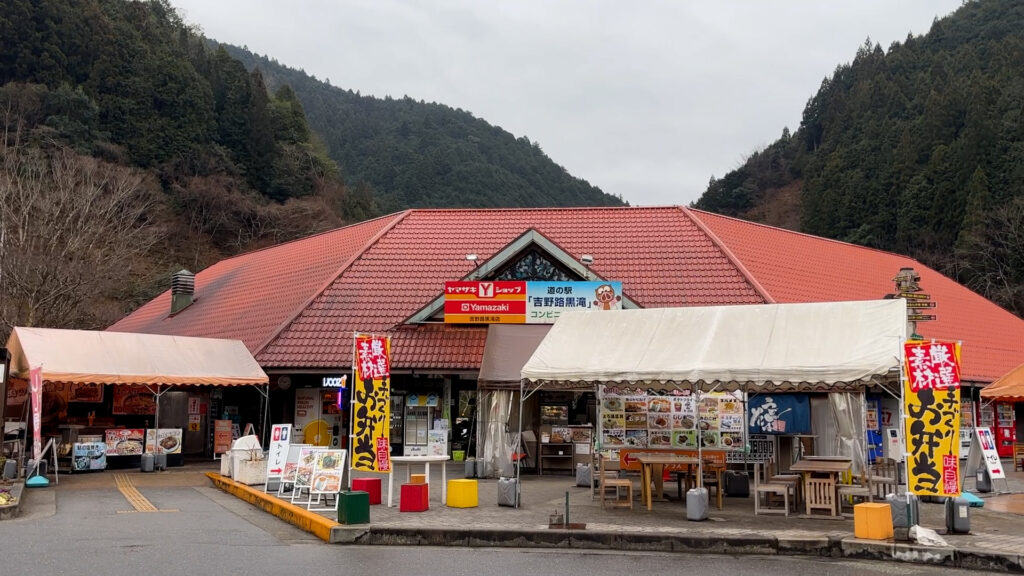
646,99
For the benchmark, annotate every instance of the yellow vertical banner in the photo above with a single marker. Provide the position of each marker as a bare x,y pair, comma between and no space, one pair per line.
371,404
931,403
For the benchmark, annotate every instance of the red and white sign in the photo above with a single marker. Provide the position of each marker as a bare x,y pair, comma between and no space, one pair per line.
932,366
372,362
498,302
35,385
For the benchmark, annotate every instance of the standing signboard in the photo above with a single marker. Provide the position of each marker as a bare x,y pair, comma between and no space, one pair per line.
328,473
304,471
280,437
931,396
291,466
222,436
371,404
983,451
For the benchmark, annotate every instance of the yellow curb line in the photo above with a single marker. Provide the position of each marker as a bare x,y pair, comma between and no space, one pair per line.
309,521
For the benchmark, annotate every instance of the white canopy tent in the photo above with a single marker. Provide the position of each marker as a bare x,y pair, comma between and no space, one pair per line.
155,361
829,346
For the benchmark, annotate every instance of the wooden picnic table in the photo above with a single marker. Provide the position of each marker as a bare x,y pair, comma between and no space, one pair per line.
651,469
821,493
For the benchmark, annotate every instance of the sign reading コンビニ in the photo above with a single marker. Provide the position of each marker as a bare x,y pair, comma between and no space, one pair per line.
931,399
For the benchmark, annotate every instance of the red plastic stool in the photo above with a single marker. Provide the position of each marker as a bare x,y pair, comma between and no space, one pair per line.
415,498
369,485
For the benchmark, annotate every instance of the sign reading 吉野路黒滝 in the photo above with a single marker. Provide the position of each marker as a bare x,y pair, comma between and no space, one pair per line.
931,398
525,302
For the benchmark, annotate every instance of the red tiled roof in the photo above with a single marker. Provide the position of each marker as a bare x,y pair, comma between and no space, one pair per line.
661,257
795,267
297,305
250,297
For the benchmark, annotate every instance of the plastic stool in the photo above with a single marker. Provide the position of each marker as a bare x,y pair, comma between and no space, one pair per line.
353,507
872,521
369,485
462,493
415,498
417,478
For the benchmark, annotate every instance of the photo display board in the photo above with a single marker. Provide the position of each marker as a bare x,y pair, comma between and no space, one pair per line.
645,418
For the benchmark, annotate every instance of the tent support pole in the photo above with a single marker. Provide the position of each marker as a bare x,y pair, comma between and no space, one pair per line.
519,463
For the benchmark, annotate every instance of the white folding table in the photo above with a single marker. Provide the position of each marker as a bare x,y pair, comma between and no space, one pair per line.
425,460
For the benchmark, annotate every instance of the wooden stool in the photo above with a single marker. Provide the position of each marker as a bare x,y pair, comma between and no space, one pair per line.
369,485
462,493
414,498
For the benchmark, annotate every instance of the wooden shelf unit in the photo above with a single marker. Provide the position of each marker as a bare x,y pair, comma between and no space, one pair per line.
551,461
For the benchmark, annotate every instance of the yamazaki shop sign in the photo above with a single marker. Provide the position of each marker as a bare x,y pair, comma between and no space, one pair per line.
498,302
525,302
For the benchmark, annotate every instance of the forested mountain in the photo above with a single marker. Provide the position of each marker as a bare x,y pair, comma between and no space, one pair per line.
917,149
417,154
131,147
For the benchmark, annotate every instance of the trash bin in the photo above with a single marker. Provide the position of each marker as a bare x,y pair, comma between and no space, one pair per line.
147,462
903,515
958,515
508,491
983,482
10,471
697,504
583,475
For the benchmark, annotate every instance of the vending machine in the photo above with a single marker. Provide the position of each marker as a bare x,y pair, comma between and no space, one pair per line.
319,417
1005,429
873,414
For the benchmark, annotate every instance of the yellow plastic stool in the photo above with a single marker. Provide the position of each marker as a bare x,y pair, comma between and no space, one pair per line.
417,478
462,493
872,521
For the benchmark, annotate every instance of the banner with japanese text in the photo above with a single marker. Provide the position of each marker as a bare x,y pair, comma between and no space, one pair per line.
931,402
35,379
371,404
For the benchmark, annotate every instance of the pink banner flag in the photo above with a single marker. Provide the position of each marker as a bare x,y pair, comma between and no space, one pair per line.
35,385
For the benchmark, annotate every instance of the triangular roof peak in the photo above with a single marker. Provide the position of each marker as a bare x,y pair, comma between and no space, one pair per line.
514,251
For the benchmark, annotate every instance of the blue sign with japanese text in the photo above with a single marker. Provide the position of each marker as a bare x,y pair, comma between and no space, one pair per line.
545,301
779,414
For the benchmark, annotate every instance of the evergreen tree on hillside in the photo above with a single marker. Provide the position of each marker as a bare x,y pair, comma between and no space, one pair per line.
906,149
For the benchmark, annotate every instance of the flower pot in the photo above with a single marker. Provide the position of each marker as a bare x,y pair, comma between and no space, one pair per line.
250,472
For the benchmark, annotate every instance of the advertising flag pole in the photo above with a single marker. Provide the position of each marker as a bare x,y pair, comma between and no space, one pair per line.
352,410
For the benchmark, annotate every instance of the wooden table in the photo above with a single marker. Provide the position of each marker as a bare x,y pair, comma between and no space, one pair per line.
651,468
820,493
425,460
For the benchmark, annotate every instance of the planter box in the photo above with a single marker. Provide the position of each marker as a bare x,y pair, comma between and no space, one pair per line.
249,472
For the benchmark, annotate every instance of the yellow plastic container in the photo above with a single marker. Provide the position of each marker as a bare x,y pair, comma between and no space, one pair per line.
417,479
872,521
462,493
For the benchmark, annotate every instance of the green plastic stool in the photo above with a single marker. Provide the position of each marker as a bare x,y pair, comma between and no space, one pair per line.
353,507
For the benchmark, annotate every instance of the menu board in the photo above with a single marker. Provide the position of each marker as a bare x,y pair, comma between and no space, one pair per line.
328,468
124,441
89,456
169,440
133,400
304,467
636,418
85,392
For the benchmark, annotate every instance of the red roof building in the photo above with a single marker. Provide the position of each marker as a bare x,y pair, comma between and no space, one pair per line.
296,305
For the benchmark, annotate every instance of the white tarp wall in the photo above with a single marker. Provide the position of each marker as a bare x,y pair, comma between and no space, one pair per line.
816,346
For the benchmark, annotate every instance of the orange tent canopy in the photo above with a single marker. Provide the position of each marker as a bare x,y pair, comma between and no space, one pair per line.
1009,387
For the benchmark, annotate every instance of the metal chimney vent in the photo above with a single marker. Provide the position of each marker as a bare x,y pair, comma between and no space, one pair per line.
183,288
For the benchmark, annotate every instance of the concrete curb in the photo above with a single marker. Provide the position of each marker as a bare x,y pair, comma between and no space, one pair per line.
696,542
311,522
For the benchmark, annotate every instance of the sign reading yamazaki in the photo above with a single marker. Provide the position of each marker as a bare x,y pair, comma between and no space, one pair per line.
931,399
518,302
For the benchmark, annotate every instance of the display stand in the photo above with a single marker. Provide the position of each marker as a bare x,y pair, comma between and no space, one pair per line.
556,458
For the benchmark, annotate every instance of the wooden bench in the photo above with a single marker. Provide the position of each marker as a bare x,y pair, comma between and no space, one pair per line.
820,494
769,489
608,482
